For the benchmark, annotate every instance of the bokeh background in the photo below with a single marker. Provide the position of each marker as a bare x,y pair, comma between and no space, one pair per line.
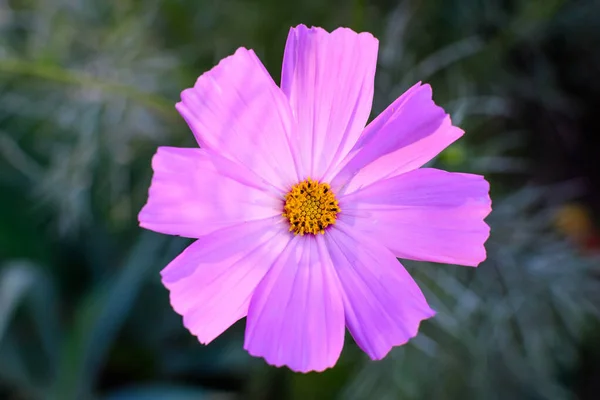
87,93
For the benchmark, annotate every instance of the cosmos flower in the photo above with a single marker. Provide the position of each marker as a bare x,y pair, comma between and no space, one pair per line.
300,211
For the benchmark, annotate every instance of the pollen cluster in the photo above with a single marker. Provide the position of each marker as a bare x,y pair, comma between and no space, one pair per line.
310,207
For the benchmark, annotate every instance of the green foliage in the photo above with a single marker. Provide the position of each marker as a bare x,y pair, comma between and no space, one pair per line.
87,94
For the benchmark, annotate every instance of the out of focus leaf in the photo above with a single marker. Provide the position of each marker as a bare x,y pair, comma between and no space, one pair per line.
25,284
442,59
163,391
61,75
99,318
14,371
16,279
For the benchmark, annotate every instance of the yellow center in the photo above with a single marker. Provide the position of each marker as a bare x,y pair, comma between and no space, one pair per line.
310,207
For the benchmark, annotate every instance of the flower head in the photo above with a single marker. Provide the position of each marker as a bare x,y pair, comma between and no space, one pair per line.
300,211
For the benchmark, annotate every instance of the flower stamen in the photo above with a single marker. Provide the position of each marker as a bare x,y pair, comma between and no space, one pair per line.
310,207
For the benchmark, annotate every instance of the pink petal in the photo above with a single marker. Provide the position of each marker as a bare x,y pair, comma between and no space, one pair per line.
383,304
329,81
194,193
405,136
408,158
237,110
212,281
296,316
426,214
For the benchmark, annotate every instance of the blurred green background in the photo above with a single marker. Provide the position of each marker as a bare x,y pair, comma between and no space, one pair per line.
87,93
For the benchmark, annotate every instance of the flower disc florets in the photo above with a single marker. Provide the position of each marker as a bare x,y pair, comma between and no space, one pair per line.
310,207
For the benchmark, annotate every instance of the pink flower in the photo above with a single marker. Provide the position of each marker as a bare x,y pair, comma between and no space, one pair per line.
300,211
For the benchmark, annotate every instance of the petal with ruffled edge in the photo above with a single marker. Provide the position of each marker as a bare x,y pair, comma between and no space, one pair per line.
329,80
296,316
237,110
212,281
426,214
194,193
405,136
383,304
407,158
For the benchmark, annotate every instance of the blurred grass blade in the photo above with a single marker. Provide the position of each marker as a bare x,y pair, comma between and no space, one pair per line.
16,278
98,319
442,58
63,75
14,371
163,391
23,284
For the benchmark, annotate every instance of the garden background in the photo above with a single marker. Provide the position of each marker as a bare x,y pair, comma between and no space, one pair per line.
87,93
